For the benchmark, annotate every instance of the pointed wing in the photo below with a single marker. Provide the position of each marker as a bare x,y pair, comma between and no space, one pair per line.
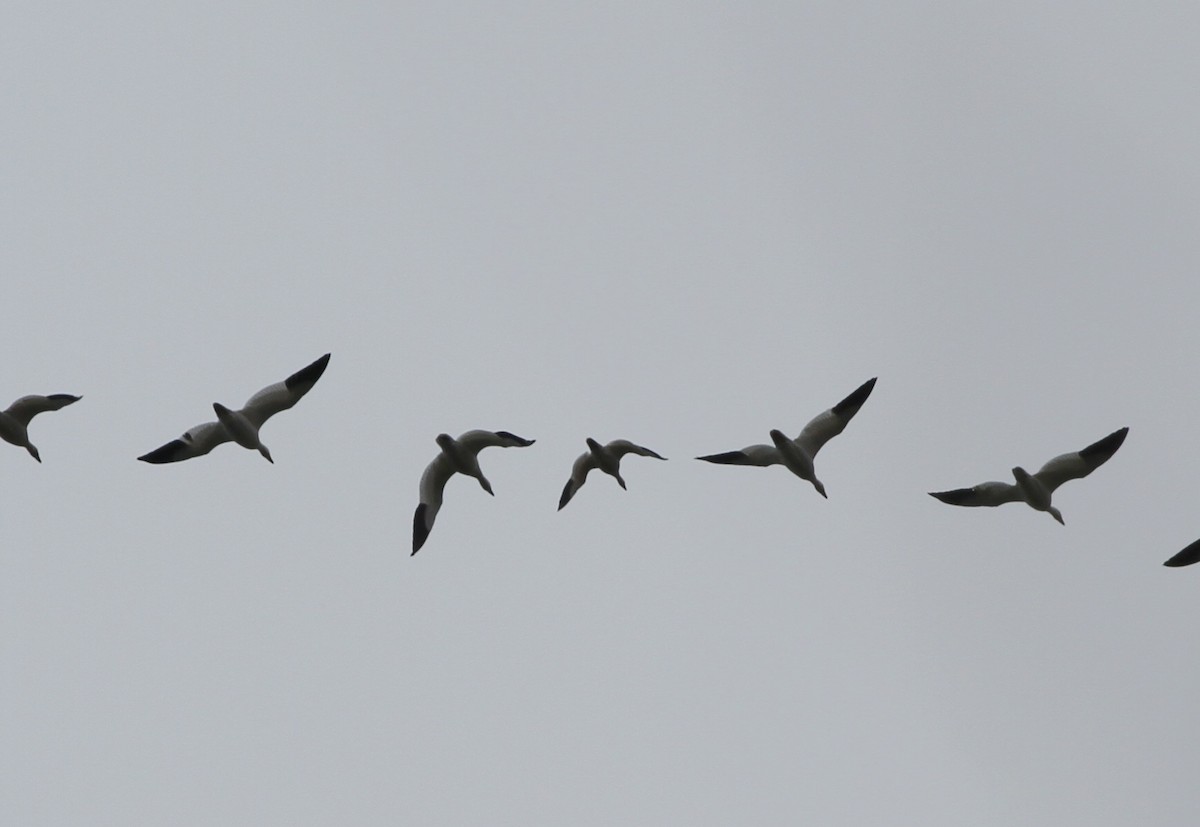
422,525
1189,555
760,455
282,395
476,441
579,471
433,483
621,447
984,494
825,426
1079,464
27,407
196,442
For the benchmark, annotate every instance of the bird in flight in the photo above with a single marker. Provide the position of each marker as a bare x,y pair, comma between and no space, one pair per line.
241,426
605,457
459,456
798,454
1036,489
14,420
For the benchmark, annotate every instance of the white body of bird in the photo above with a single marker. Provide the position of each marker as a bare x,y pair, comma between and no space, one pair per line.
458,456
241,426
798,455
1037,490
14,420
607,458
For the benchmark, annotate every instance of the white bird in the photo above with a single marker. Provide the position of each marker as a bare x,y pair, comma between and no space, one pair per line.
241,426
798,454
605,457
14,421
1036,489
458,456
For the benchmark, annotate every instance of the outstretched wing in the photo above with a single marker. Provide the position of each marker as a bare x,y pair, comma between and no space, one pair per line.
984,494
433,483
760,455
282,395
476,441
1079,464
27,407
621,447
579,471
825,426
196,442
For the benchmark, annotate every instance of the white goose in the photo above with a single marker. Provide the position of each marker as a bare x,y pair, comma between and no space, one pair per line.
458,456
1036,489
241,426
605,457
798,454
14,421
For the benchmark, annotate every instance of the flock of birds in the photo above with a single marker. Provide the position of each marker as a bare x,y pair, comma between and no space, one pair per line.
461,455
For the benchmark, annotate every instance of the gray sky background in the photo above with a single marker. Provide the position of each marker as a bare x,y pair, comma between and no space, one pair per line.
682,224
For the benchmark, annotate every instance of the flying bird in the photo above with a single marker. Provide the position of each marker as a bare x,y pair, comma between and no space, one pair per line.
14,421
798,454
457,456
605,457
1189,555
1036,489
241,426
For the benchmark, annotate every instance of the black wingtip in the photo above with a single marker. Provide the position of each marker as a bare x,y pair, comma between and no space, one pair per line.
1102,449
65,398
309,375
420,532
521,441
955,497
164,454
727,458
567,493
849,406
1189,555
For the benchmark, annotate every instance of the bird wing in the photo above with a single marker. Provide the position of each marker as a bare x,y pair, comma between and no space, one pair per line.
282,395
760,455
1079,464
196,442
27,407
984,494
621,447
828,424
579,471
1189,555
476,441
433,482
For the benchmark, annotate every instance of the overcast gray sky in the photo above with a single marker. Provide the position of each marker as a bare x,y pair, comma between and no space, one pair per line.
684,224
